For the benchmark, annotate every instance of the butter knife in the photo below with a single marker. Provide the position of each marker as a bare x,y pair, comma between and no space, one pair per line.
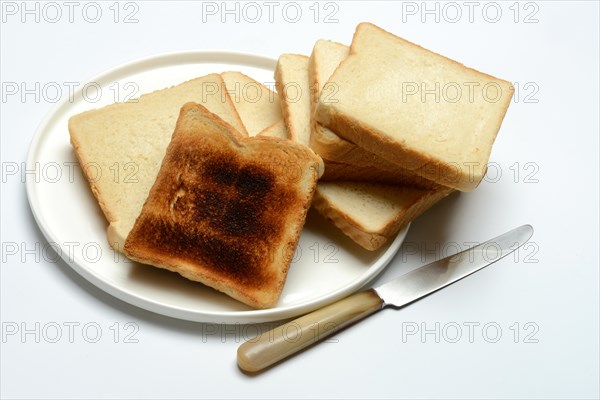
287,339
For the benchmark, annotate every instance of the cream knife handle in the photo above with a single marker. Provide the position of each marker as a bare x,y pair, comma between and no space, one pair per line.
289,338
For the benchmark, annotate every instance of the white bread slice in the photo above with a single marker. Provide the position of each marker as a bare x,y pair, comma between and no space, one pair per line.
131,139
324,59
326,56
291,76
446,138
345,160
276,130
226,210
369,214
257,105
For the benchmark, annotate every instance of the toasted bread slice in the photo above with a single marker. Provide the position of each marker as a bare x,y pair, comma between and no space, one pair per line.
257,105
383,212
120,146
372,213
291,80
416,108
226,210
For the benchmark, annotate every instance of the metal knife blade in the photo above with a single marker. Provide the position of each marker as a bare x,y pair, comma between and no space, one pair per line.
439,274
269,348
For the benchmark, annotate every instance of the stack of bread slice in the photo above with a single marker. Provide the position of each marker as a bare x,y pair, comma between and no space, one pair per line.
220,184
344,158
394,137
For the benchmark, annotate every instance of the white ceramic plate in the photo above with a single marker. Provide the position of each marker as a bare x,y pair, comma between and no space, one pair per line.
327,266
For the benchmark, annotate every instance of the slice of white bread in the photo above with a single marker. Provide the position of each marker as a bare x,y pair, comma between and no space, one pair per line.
120,146
226,210
291,80
277,130
416,108
257,105
324,59
326,56
345,160
383,212
372,213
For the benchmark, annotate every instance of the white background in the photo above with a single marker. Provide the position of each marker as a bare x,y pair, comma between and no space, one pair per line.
546,151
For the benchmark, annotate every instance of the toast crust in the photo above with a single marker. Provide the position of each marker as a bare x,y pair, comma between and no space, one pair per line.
226,210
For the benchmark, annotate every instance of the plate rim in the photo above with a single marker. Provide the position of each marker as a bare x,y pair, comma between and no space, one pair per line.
162,60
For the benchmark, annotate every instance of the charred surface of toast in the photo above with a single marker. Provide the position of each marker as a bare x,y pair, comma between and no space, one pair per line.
216,210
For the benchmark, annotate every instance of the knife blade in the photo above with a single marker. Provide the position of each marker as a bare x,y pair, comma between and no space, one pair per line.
289,338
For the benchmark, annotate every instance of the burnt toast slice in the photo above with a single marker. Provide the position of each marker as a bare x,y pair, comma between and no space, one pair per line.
226,210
